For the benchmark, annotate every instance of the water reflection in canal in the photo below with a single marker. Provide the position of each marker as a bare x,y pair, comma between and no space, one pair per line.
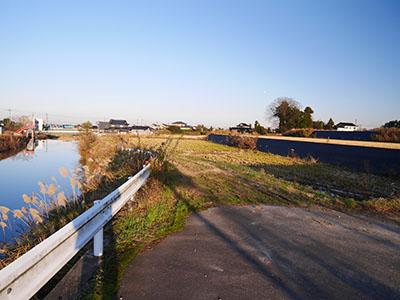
21,173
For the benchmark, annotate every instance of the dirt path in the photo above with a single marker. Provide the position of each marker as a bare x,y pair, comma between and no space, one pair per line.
270,252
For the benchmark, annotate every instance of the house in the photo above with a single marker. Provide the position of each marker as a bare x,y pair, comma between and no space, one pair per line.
179,124
140,130
103,126
38,124
343,126
1,128
118,126
242,128
156,126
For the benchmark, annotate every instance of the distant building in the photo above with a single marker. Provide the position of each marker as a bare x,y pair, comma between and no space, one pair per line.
242,128
68,126
140,129
181,125
156,126
343,126
119,126
1,128
102,126
38,124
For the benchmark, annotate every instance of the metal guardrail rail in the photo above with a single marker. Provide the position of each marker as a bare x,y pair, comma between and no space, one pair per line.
25,276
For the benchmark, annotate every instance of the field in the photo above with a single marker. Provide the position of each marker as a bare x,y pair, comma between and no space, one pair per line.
222,175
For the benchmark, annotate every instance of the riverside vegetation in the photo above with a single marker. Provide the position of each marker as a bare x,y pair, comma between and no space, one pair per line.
10,145
192,175
105,167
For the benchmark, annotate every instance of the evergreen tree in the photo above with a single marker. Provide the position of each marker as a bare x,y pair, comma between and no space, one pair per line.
330,124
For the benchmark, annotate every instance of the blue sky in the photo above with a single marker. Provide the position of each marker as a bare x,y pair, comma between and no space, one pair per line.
204,62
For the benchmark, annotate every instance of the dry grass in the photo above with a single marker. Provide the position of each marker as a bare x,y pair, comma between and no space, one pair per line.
11,143
107,166
306,132
387,135
224,175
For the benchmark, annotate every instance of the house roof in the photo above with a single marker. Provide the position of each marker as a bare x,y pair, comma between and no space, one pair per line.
178,122
342,124
118,122
139,127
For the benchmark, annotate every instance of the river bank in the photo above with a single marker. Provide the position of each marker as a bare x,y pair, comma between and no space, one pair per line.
11,145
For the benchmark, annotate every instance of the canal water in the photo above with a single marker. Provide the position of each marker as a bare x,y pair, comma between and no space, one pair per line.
21,173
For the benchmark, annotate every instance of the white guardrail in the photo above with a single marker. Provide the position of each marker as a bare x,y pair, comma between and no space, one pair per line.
25,276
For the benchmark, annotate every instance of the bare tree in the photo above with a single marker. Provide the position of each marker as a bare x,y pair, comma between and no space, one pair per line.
287,111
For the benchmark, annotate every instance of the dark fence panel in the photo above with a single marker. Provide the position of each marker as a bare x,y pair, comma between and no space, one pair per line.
344,135
367,159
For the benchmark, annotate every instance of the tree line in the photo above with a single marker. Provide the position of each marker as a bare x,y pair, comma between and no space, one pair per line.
290,115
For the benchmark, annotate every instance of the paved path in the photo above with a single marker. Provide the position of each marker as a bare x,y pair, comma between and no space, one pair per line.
270,252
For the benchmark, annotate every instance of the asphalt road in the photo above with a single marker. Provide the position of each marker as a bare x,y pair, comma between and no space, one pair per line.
270,252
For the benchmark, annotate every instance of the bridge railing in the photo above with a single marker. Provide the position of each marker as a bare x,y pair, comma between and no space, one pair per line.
25,276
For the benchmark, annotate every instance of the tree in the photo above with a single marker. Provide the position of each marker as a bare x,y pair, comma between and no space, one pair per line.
175,129
9,124
86,126
6,121
330,124
201,128
259,129
318,125
306,119
394,123
25,120
288,112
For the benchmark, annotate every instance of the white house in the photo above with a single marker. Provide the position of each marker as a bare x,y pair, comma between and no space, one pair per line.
181,125
38,124
178,124
343,126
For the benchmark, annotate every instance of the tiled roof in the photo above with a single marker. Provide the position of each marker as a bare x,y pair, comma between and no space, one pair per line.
118,122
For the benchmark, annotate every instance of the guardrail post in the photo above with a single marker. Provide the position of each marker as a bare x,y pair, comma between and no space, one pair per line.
98,239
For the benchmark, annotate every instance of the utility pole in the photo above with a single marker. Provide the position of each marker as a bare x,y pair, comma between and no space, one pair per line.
9,113
47,119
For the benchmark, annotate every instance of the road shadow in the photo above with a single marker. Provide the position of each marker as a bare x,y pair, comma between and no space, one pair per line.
317,271
343,277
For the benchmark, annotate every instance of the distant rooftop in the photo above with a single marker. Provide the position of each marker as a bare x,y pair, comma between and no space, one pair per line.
345,124
118,122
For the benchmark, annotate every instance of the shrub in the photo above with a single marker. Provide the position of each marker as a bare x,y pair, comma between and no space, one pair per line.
387,135
306,132
9,143
243,142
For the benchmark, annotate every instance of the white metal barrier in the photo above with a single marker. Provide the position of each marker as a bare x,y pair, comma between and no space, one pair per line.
25,276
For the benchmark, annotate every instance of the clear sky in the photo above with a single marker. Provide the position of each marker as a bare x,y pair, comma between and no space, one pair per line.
203,62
